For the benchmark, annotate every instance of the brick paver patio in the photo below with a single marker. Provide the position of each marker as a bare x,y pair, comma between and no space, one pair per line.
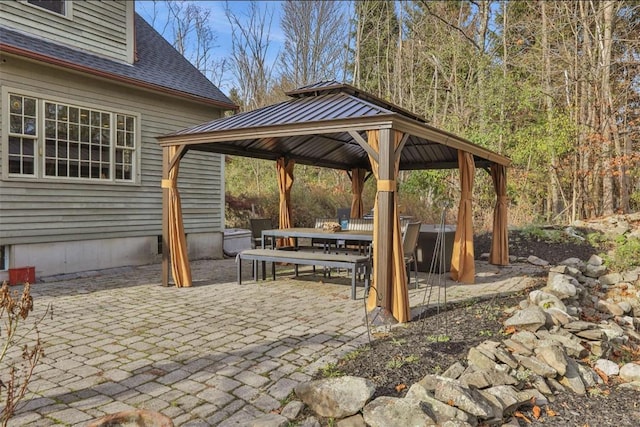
215,354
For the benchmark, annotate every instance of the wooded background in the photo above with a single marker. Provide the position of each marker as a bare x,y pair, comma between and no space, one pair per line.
553,85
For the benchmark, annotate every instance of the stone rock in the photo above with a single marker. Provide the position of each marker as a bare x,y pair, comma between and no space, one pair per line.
529,319
534,260
270,420
571,232
630,276
546,300
497,377
608,367
478,358
537,366
292,409
429,382
531,393
575,263
599,348
609,307
572,344
632,334
352,421
476,379
454,371
517,347
455,423
572,379
464,398
633,385
555,385
612,330
610,279
496,407
595,271
625,306
387,411
508,397
558,316
336,397
580,325
309,422
540,384
506,358
595,260
437,410
591,334
562,286
630,372
589,377
558,269
553,355
527,338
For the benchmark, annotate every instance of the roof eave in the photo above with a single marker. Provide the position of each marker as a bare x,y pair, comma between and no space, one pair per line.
442,137
23,53
283,130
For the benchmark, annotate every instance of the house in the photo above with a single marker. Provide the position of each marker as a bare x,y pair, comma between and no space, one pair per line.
86,87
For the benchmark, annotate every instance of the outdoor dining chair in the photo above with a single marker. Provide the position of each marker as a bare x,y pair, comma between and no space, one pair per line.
409,245
257,226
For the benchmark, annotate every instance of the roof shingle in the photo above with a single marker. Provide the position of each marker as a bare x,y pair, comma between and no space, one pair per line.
158,64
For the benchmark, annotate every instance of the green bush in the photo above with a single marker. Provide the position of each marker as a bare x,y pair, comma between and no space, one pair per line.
624,256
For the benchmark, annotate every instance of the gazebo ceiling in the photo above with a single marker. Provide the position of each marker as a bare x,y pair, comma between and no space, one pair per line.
320,125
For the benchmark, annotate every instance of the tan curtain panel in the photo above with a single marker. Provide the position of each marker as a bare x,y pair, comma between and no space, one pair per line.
463,267
284,168
180,267
499,254
398,301
357,185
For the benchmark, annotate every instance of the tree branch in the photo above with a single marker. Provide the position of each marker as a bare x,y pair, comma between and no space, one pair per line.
455,27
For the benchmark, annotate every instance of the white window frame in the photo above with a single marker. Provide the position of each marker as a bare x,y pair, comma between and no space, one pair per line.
40,149
5,259
68,9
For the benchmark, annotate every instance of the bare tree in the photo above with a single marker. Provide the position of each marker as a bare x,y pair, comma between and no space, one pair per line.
314,46
250,43
188,29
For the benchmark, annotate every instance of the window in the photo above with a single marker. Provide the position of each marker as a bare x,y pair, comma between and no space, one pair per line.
55,6
79,142
4,257
22,135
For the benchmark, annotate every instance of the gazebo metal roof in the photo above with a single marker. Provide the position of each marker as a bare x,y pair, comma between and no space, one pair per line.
322,125
335,125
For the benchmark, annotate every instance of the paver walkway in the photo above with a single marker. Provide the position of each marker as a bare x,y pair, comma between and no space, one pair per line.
215,354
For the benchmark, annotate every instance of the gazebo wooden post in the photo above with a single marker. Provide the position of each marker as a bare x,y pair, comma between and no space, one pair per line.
383,247
165,217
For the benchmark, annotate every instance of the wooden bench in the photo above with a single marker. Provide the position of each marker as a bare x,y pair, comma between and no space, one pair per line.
350,262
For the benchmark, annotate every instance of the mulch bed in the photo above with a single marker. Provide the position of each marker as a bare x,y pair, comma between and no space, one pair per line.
433,343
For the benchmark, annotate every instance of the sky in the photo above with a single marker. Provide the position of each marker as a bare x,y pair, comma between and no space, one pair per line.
220,24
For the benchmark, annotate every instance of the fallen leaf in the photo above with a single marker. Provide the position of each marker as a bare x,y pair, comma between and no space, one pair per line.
536,412
400,387
550,412
519,414
510,330
601,374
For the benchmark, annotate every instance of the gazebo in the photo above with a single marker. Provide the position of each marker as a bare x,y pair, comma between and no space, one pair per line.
336,125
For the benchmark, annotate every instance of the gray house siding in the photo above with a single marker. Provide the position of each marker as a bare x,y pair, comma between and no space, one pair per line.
99,220
103,28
